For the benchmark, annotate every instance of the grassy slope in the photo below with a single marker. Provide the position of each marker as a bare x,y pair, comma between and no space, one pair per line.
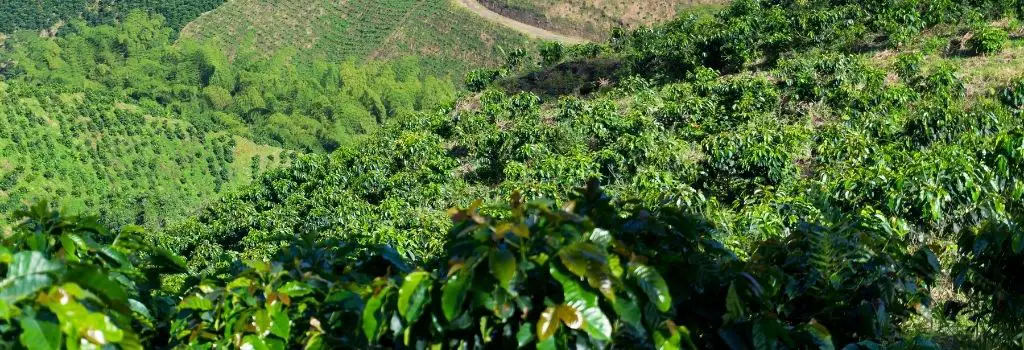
594,19
451,39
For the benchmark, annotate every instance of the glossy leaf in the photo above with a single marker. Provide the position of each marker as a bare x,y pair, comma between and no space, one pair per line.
413,295
595,322
652,284
454,292
548,324
373,316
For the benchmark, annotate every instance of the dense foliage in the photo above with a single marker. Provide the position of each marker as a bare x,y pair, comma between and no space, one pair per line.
141,130
782,174
542,276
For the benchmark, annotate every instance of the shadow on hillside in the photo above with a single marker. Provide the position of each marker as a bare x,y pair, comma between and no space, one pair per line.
581,78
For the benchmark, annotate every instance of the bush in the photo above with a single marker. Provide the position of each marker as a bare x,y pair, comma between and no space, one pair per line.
1013,94
551,53
987,40
65,288
480,79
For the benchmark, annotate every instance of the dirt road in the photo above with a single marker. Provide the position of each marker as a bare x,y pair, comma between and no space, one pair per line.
531,31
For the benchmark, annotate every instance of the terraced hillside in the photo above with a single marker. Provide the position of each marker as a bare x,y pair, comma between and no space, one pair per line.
449,38
44,14
594,19
115,159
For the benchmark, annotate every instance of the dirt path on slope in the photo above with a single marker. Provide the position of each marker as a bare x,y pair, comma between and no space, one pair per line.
531,31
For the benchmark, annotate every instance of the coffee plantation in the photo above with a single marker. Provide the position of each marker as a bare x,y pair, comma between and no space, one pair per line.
812,174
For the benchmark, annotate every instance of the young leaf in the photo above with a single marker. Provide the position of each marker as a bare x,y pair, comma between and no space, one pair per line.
576,296
569,316
547,325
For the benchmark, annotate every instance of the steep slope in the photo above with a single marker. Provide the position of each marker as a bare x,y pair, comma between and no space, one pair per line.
144,131
534,32
594,19
449,38
113,159
44,14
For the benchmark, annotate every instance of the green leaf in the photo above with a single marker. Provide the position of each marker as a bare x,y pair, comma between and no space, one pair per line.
666,339
588,261
13,290
39,335
140,309
281,324
820,335
315,342
652,284
547,325
5,255
453,294
167,261
525,335
549,344
93,279
671,337
254,343
120,259
503,266
295,289
602,237
30,263
262,321
195,302
765,335
733,305
414,293
108,331
372,315
576,296
628,311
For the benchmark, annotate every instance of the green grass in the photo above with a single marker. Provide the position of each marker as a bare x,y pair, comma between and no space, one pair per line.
448,38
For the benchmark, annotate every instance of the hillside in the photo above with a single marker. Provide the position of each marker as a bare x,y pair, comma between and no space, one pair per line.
449,39
780,174
595,19
47,14
112,158
143,131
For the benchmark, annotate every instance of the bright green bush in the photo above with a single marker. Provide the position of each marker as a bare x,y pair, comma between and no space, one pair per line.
62,287
480,79
987,40
551,53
